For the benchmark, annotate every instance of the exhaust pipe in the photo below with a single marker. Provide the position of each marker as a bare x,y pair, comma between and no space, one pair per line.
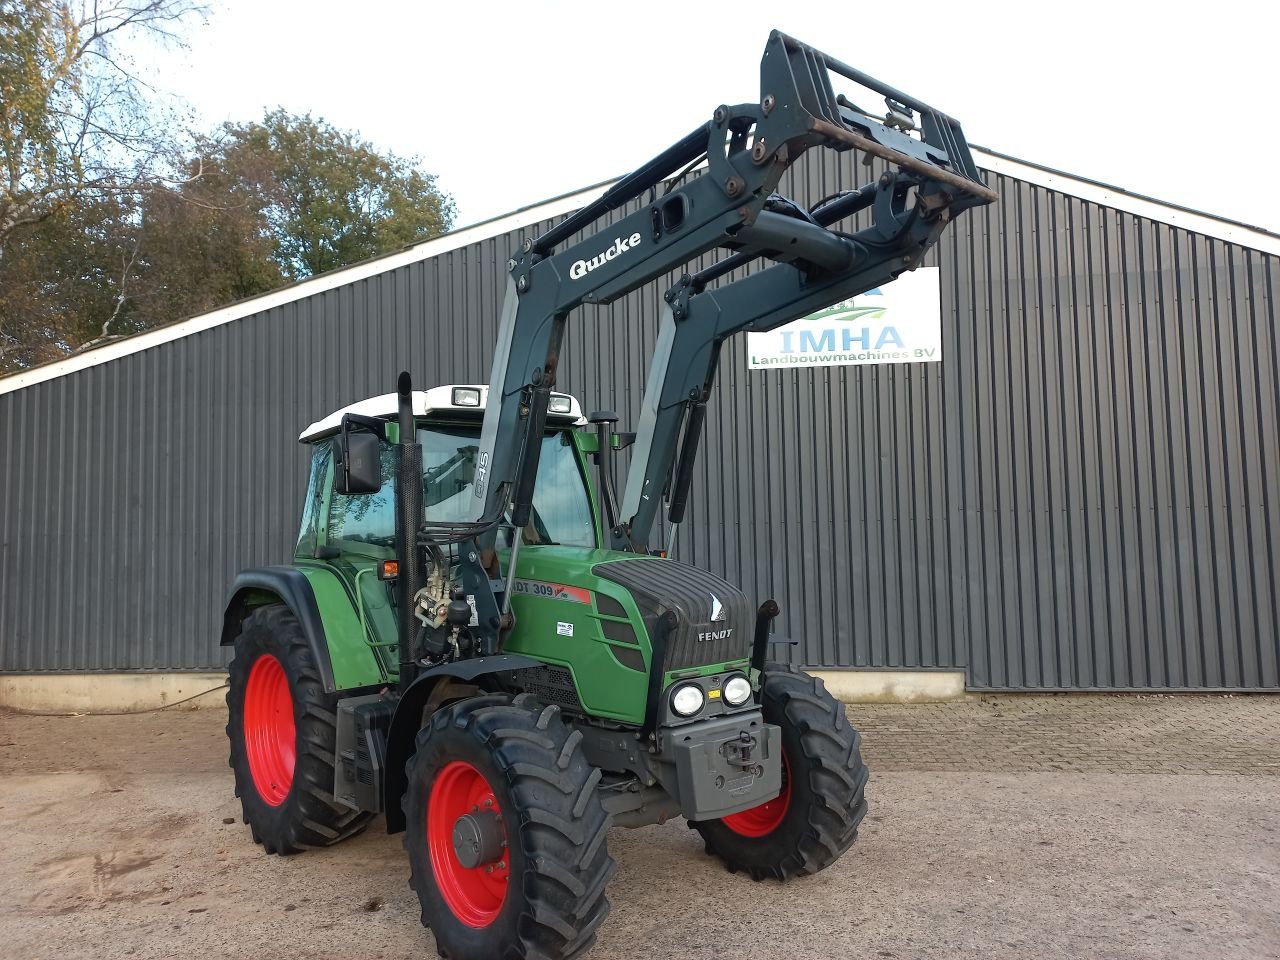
408,523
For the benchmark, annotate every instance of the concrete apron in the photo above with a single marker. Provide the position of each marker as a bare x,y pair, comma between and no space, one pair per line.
62,693
134,692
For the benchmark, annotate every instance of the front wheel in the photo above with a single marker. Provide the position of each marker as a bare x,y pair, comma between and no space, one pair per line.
505,832
815,818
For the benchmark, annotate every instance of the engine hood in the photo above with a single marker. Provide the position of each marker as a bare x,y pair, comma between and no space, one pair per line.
715,620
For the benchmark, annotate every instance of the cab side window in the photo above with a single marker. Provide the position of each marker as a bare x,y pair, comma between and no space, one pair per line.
308,531
359,522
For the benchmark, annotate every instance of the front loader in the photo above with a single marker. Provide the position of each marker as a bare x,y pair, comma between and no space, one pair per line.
480,640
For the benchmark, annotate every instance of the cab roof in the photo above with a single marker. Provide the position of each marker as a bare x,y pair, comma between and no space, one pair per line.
438,402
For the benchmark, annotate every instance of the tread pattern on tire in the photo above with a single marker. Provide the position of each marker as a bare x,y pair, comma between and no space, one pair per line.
310,816
836,775
563,826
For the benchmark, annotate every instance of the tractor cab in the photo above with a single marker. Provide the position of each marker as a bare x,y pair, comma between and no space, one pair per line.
354,533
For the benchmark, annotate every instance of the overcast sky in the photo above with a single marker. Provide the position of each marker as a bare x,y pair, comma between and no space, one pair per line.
514,103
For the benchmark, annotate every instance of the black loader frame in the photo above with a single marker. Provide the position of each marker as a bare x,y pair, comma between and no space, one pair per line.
733,206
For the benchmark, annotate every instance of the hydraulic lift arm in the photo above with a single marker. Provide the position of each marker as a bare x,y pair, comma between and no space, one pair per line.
732,206
697,321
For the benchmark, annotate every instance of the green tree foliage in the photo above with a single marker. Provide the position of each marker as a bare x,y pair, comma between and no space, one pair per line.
329,198
276,201
79,139
263,204
60,278
203,244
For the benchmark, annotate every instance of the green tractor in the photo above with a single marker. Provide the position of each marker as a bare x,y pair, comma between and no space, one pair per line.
478,640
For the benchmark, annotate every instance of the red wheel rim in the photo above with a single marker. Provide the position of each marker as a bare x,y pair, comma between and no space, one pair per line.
764,819
474,894
269,736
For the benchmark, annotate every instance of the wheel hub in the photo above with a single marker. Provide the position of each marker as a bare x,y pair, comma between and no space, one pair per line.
466,839
478,838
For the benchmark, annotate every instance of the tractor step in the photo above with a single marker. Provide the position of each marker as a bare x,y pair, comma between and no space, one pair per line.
363,723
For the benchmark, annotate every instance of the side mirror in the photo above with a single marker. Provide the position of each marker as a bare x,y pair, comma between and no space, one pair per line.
357,466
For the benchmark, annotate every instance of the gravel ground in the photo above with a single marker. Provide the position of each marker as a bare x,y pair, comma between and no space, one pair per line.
1061,836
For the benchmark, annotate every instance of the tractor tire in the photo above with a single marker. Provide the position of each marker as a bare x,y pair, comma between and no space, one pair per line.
505,832
283,732
815,818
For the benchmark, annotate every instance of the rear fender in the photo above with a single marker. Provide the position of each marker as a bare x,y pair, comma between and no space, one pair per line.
326,613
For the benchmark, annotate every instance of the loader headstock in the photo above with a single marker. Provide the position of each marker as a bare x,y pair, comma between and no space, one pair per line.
800,108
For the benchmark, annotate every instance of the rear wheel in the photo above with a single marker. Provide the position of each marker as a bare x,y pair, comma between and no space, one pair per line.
282,727
505,832
815,818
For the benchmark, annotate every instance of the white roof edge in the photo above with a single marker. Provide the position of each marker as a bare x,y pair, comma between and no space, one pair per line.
1065,183
524,217
426,402
1120,199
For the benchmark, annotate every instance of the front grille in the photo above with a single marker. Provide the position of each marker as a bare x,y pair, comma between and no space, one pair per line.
550,684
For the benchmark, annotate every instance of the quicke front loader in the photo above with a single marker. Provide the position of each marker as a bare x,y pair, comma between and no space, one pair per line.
476,639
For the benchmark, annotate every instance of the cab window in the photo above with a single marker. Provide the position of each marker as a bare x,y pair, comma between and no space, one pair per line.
561,509
366,523
311,506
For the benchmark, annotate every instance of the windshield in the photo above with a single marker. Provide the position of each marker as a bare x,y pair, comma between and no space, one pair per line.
561,510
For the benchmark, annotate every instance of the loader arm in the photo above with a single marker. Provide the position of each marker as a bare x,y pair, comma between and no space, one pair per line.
731,206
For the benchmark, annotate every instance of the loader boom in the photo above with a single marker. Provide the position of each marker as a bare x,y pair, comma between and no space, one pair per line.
732,206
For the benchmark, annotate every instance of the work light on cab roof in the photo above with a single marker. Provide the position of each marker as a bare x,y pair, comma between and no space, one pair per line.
437,402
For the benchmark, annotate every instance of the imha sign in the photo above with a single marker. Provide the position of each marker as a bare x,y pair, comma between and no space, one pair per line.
899,323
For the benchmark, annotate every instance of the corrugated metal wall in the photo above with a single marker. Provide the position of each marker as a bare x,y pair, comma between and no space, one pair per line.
1081,495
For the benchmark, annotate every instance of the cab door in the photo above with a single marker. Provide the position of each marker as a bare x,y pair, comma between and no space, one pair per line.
357,533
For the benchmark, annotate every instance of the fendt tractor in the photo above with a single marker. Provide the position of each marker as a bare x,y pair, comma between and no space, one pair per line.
477,640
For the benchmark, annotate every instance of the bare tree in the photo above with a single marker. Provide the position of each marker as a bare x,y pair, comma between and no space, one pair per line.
75,116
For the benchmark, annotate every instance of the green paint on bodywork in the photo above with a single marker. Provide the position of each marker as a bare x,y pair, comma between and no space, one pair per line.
354,662
705,671
361,631
605,686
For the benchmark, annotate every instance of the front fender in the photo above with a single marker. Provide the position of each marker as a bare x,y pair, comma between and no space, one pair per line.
407,720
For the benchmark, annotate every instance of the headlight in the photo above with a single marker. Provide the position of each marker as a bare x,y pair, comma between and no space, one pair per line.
466,397
560,404
688,700
736,690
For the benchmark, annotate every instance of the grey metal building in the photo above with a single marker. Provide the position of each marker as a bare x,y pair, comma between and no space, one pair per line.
1083,494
